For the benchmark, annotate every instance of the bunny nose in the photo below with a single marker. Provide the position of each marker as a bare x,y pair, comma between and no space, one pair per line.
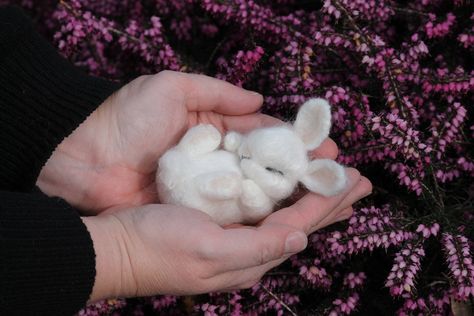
242,157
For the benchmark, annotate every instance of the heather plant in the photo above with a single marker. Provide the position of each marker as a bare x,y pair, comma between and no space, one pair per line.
399,76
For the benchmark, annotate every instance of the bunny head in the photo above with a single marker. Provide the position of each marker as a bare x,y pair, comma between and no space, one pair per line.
276,158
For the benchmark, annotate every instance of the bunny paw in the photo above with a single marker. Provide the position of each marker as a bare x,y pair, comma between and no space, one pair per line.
201,139
220,186
257,203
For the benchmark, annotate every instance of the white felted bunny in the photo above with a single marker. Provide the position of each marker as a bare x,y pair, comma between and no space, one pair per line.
242,182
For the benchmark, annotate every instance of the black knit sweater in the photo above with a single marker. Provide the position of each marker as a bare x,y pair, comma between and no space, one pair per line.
47,260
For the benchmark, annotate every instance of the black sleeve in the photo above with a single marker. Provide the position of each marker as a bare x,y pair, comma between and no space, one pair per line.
43,99
47,260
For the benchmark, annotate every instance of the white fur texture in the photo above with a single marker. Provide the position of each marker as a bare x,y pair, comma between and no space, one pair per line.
242,182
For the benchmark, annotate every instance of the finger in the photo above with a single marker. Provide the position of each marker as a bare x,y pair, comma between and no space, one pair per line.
203,93
338,216
327,150
364,188
246,123
344,209
246,278
346,213
255,246
312,208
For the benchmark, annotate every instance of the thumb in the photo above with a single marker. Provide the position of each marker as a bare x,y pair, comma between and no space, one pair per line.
255,246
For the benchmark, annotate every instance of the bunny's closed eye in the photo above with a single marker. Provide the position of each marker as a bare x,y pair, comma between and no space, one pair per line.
273,170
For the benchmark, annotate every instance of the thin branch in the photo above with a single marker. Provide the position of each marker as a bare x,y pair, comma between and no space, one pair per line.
214,52
409,11
279,300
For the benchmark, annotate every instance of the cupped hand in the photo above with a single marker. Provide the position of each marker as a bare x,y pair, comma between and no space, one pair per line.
166,249
110,160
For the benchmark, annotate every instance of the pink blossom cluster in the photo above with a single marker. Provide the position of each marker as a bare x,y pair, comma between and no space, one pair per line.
407,263
143,40
315,274
401,279
117,307
433,305
348,303
399,76
109,307
439,29
273,291
232,306
460,265
360,9
345,306
368,228
467,37
354,280
244,62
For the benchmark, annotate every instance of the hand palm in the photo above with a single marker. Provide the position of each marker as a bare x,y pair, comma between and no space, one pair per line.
115,151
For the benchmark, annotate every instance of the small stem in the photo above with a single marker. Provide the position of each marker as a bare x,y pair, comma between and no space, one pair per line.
437,189
214,52
340,7
327,70
410,11
279,300
432,195
395,89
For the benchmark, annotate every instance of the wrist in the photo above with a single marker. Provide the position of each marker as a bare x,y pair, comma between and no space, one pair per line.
109,252
75,166
67,178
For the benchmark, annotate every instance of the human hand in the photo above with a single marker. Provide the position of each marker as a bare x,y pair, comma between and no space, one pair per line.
111,159
166,249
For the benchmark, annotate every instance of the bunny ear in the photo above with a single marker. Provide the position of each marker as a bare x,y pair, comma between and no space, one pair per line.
313,122
325,176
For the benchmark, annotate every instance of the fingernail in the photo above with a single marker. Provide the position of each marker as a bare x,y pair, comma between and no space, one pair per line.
295,242
366,195
254,93
353,174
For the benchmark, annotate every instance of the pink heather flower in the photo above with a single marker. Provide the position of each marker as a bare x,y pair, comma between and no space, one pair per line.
399,78
241,65
105,307
369,228
161,302
315,274
439,29
460,264
345,306
427,231
354,280
401,279
212,310
438,304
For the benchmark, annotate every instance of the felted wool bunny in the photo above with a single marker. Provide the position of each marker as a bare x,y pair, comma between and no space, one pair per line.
242,182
